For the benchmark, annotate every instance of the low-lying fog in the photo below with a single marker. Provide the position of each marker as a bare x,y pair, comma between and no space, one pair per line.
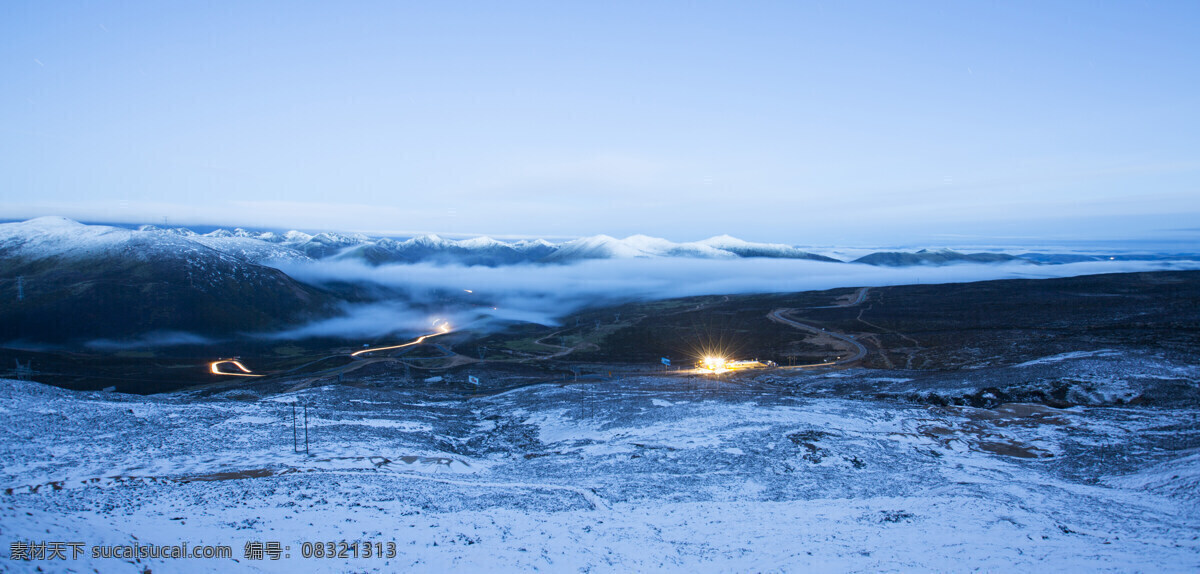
491,296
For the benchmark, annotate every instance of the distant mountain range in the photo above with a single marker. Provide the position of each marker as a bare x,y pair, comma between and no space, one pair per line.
266,246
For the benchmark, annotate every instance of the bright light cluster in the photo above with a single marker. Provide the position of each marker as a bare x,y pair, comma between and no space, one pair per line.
442,325
713,363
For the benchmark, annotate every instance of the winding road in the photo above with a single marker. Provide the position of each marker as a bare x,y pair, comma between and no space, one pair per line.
859,297
860,350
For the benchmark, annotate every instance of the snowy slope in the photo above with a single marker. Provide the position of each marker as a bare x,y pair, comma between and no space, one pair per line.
747,249
251,249
596,247
59,237
645,474
723,247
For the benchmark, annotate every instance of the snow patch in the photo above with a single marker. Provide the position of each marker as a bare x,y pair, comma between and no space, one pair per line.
1072,355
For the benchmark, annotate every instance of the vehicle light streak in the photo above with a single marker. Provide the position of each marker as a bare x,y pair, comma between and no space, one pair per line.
213,367
442,330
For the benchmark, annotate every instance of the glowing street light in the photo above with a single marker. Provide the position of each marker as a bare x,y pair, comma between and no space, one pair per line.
713,363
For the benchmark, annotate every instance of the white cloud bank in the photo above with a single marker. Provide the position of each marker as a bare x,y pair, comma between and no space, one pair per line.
544,294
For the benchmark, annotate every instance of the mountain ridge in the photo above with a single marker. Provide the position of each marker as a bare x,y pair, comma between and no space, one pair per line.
267,247
62,280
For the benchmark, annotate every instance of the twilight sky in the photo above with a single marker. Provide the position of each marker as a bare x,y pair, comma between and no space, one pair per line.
796,122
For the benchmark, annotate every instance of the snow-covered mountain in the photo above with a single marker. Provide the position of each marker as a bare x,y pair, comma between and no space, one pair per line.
484,250
931,257
772,250
269,247
64,280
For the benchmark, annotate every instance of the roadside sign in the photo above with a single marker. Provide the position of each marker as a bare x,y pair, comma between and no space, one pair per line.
666,361
473,379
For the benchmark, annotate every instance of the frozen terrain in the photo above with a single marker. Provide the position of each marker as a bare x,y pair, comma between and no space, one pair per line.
760,473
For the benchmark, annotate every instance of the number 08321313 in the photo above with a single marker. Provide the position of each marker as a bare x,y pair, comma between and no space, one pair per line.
348,549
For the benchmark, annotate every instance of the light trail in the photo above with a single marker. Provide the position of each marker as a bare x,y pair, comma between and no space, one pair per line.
213,367
442,330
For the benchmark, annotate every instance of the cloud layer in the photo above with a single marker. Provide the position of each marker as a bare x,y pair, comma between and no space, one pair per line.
544,294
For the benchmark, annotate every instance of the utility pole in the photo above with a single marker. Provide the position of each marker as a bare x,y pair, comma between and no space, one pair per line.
306,453
24,371
295,432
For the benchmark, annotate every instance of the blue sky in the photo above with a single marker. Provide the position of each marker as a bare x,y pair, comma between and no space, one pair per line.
798,122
